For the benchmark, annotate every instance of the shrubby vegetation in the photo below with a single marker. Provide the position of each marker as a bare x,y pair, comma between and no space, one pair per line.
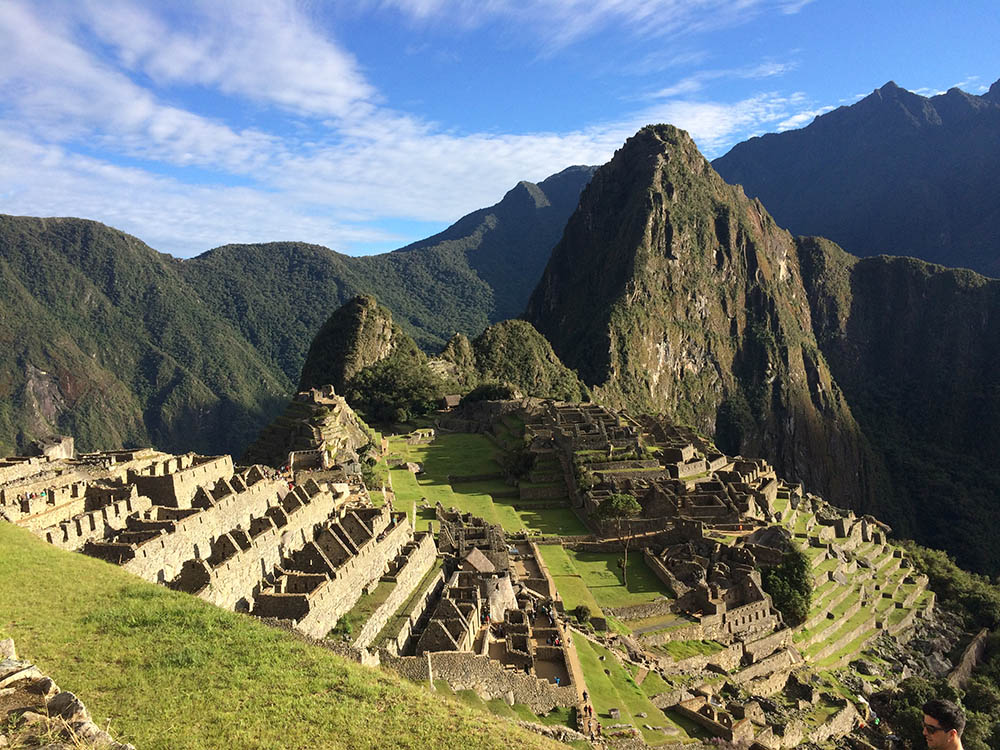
790,585
977,601
619,507
970,595
395,390
980,699
490,392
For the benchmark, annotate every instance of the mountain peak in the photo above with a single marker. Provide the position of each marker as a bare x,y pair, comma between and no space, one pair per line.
993,94
358,334
527,193
672,292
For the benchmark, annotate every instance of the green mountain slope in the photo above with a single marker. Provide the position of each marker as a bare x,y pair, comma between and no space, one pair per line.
478,271
103,340
513,353
671,291
916,349
116,344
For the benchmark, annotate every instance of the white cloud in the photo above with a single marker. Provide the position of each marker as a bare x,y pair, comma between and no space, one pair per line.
60,92
800,119
262,50
562,22
172,216
64,99
696,82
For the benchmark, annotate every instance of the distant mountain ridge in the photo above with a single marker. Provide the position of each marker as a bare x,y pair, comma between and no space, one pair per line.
108,340
478,271
895,173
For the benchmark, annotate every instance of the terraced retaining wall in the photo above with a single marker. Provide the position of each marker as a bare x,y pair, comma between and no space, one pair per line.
463,670
418,562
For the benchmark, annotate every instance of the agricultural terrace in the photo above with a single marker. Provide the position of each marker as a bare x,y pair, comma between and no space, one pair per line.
611,685
451,458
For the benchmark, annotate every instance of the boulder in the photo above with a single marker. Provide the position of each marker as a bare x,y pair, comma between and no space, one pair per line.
69,707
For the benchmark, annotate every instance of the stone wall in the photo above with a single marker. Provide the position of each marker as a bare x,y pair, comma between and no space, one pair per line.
741,729
777,662
656,608
334,598
160,559
96,524
489,679
728,658
770,685
542,492
767,645
839,724
397,643
418,562
60,503
235,579
176,489
970,658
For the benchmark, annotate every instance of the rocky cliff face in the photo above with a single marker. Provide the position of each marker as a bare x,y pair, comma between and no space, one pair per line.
672,291
359,334
916,349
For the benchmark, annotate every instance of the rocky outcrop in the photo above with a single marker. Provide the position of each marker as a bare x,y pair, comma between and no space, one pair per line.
515,354
32,707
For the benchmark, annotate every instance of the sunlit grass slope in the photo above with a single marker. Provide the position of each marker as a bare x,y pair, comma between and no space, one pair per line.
170,671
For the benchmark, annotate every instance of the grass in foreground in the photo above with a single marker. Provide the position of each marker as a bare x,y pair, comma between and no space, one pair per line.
171,671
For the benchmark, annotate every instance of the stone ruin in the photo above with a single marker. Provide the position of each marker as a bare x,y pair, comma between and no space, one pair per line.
494,627
317,432
242,538
479,610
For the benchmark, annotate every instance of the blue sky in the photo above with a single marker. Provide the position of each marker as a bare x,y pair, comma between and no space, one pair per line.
366,125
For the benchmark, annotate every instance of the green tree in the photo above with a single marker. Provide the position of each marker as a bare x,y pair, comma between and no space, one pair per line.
395,389
619,507
790,585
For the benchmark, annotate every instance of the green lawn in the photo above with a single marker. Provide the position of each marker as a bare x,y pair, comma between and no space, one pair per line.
453,453
594,579
466,455
601,574
171,671
678,650
569,584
